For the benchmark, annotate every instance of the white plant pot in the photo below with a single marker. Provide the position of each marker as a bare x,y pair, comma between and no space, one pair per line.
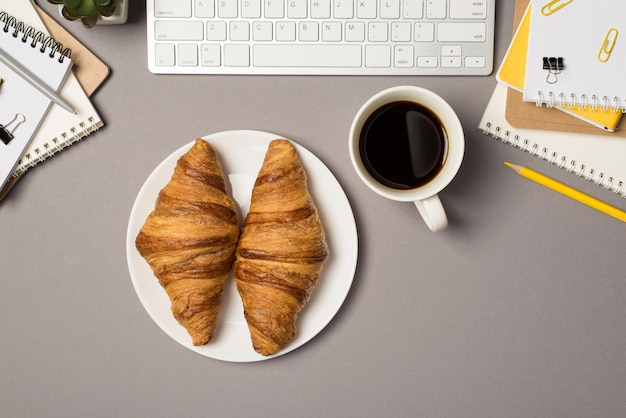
119,17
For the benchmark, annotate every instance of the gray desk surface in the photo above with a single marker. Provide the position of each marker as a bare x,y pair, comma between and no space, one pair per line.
516,310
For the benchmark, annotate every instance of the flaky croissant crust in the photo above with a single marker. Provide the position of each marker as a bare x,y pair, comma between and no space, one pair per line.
189,240
281,251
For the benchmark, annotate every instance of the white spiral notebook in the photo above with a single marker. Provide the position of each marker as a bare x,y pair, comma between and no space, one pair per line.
598,158
23,106
589,37
60,128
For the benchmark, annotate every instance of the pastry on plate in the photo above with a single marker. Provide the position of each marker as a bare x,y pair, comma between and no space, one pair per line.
281,251
189,240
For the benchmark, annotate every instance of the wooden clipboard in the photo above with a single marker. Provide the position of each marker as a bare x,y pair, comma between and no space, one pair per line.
90,70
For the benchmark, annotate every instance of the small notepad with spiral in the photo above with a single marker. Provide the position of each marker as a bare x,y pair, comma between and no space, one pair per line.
588,39
59,128
598,158
23,106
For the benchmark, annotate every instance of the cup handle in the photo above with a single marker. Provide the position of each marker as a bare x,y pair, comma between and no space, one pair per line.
433,213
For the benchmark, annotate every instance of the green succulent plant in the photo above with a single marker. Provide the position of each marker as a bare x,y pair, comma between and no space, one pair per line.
88,11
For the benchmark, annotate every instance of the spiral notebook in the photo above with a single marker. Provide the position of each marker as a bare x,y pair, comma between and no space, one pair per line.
60,128
22,106
598,158
512,73
577,54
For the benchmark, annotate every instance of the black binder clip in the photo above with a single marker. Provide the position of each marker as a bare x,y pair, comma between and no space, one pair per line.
554,65
6,135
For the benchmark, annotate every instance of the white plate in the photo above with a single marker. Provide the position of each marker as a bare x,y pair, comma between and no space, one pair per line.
241,154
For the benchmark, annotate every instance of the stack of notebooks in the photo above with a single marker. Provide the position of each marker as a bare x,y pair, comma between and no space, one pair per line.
561,93
36,129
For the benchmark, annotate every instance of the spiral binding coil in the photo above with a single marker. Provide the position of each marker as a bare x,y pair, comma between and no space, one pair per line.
604,104
561,161
57,144
46,43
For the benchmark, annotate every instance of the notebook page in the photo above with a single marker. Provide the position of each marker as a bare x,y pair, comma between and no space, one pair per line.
581,32
19,100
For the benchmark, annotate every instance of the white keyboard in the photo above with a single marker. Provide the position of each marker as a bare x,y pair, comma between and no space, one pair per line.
351,37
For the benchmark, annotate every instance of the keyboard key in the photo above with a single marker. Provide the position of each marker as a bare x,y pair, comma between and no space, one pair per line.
239,31
427,62
285,55
320,9
178,30
462,32
390,9
237,55
309,31
366,9
413,9
355,31
205,8
451,51
227,8
262,31
377,32
475,62
424,32
251,9
274,9
165,54
216,31
401,32
286,31
468,9
172,8
296,9
188,55
331,31
210,55
403,56
343,9
450,62
436,9
378,56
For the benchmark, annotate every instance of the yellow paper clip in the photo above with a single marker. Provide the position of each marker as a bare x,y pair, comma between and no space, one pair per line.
554,6
608,43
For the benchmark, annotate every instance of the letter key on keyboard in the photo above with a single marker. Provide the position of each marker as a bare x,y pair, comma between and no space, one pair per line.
333,37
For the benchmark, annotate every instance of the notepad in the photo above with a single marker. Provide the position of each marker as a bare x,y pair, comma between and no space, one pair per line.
60,128
590,37
22,106
512,73
598,158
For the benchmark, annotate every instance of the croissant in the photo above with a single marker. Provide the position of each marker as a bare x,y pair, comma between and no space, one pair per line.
281,251
189,240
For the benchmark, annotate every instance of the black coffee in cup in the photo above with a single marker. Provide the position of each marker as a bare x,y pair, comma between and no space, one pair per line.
403,145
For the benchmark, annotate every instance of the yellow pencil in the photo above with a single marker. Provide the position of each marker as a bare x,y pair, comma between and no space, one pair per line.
568,191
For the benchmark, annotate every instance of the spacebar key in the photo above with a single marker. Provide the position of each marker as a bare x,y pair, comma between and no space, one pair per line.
286,55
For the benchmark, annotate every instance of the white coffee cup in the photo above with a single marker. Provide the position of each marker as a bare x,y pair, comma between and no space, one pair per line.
425,196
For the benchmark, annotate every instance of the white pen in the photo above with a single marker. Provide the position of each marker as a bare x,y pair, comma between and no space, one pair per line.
27,75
